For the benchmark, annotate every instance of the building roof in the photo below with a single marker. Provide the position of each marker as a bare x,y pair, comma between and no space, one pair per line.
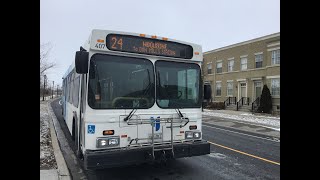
244,42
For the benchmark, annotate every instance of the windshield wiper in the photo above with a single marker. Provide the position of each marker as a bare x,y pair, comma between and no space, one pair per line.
136,106
179,112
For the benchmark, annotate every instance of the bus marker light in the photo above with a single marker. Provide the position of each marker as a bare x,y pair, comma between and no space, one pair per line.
108,132
154,37
165,39
196,53
123,136
142,35
181,131
193,127
100,40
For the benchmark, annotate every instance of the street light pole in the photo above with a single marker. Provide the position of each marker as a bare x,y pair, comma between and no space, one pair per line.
57,89
52,89
44,86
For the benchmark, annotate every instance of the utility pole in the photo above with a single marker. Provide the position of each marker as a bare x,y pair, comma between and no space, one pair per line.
57,89
52,89
44,86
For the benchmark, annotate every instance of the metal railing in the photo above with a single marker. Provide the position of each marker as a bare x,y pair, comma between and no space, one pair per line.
255,104
230,100
242,101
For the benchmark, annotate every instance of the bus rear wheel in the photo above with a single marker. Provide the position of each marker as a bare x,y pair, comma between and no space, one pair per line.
73,131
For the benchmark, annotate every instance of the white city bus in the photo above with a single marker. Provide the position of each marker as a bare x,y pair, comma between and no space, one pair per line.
132,98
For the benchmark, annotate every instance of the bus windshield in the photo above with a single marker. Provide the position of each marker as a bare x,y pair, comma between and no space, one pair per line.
178,85
117,82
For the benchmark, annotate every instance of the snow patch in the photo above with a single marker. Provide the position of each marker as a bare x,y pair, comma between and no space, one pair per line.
47,159
217,155
270,122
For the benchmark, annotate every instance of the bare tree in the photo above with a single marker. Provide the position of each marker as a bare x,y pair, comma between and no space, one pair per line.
45,63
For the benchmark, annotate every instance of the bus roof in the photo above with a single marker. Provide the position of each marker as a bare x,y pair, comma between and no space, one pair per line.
69,70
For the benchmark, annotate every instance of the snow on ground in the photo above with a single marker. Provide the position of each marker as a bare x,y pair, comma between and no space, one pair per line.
265,116
266,121
47,159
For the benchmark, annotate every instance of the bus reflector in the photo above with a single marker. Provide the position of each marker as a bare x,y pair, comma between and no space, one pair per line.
165,39
181,131
100,40
196,53
123,136
193,127
108,132
154,37
142,35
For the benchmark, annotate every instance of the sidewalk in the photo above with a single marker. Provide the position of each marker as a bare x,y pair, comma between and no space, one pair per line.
240,116
52,163
244,121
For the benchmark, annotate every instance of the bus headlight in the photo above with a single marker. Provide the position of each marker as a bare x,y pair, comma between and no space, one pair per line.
192,135
113,141
107,142
197,135
189,135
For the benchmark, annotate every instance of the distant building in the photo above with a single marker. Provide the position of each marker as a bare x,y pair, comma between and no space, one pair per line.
241,70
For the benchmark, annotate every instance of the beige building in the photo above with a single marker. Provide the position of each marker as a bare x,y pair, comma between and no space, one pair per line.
240,70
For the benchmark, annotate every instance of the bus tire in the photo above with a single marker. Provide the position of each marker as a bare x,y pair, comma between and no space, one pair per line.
76,139
73,130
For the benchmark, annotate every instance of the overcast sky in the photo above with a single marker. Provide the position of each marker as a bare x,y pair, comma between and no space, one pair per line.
210,23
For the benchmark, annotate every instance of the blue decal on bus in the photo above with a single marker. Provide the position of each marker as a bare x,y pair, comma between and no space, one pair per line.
157,123
91,129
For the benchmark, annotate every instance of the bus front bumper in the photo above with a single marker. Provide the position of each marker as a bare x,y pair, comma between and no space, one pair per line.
115,158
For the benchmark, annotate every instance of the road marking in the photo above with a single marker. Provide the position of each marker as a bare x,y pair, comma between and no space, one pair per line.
243,134
60,102
263,159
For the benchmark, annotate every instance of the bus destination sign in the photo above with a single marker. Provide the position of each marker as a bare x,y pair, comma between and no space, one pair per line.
142,45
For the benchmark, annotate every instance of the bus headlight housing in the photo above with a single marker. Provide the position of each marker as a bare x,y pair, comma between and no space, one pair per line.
113,141
192,135
189,135
197,135
107,142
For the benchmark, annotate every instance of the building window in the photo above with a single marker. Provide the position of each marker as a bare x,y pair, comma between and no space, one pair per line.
219,67
229,88
275,56
218,88
257,89
275,87
259,59
209,68
230,65
243,63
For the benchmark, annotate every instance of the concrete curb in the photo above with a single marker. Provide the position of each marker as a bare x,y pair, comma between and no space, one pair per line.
63,171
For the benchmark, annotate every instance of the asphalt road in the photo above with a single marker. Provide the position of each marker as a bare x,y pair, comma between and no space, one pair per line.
233,155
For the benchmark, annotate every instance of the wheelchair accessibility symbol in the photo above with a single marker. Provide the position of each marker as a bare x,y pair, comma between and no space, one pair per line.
91,129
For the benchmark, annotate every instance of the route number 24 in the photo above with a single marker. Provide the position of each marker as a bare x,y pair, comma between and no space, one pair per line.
116,43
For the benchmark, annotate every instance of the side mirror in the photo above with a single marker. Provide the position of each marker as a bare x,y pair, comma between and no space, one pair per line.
81,62
207,91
